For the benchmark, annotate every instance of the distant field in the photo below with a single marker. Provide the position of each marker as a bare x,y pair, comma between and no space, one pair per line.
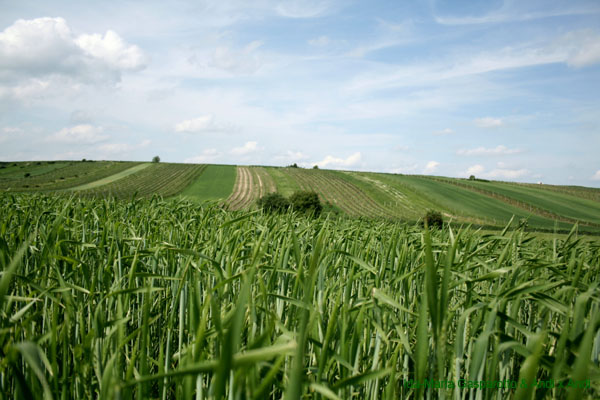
63,175
112,178
463,202
356,194
157,179
541,201
215,183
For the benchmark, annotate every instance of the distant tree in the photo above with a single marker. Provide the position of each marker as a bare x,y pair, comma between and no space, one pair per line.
306,202
273,202
433,219
83,160
294,165
156,159
472,178
315,166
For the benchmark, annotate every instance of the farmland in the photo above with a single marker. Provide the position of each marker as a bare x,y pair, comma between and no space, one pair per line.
188,301
380,196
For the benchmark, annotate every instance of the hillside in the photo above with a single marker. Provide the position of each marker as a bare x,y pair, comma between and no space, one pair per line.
357,194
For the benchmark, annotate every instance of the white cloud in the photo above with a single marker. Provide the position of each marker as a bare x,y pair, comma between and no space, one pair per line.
87,134
35,53
431,167
207,156
237,61
115,148
292,156
446,131
405,169
488,122
475,170
204,123
340,162
596,176
482,151
321,41
507,173
112,50
582,47
303,8
247,148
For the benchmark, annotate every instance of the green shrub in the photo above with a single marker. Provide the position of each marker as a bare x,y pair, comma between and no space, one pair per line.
156,159
273,202
306,202
433,219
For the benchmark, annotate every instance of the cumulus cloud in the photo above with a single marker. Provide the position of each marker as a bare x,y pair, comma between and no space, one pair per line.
35,52
332,161
596,176
247,148
498,173
207,156
431,167
488,122
111,49
475,170
482,151
204,123
84,134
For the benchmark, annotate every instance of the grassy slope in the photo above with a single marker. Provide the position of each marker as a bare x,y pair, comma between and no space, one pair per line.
556,202
215,183
467,203
578,191
112,178
164,179
75,173
33,168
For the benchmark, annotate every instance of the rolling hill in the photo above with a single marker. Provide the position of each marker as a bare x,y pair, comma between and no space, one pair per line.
357,194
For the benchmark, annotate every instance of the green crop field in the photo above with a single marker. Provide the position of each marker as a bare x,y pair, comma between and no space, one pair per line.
66,175
157,179
356,194
557,204
215,183
149,298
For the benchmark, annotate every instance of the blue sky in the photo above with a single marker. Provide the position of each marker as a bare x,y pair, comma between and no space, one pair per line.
505,90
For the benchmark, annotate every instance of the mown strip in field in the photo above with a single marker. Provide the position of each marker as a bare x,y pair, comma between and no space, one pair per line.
215,183
242,195
162,179
75,173
112,178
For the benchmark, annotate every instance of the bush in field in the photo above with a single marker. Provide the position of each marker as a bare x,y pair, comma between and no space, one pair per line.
156,159
306,202
273,202
433,219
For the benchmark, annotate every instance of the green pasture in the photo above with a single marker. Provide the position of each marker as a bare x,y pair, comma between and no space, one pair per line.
215,183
